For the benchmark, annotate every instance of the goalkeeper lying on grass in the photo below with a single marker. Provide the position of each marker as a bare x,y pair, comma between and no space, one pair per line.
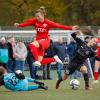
18,82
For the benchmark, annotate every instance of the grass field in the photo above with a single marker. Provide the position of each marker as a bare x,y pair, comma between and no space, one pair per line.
64,93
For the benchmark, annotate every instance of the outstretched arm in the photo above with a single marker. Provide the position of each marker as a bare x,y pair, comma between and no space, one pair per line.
74,35
56,25
26,23
35,81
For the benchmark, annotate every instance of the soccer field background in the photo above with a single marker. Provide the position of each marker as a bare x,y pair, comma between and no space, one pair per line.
63,93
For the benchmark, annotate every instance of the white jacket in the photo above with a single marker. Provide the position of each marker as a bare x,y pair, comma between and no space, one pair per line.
21,53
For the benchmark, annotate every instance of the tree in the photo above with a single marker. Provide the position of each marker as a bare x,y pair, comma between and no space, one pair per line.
83,12
70,12
7,15
55,9
22,9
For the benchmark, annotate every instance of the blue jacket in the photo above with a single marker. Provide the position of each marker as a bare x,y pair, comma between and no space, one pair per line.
71,49
60,50
3,53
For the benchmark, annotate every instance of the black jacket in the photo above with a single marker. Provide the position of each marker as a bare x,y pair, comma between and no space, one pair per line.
30,57
10,51
83,51
50,51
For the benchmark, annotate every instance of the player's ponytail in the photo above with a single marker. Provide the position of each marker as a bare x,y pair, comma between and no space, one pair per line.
41,10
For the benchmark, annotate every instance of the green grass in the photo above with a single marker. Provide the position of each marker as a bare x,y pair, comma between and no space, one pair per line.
64,93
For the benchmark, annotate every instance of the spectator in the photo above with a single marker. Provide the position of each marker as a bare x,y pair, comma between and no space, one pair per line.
71,51
3,52
21,54
71,48
11,51
60,51
91,59
49,53
30,59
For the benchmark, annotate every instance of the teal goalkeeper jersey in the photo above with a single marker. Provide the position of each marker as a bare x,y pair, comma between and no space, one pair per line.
11,82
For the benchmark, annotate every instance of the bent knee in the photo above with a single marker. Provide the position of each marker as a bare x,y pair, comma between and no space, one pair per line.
83,70
35,43
65,77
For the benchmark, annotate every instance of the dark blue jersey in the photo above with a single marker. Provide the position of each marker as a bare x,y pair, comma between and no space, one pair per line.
83,51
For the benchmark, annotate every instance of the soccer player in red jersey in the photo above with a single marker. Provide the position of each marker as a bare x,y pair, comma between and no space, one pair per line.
42,26
97,60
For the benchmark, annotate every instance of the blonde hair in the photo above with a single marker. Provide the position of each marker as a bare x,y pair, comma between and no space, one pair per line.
41,10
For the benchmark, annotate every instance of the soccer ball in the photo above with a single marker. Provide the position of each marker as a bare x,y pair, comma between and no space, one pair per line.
74,83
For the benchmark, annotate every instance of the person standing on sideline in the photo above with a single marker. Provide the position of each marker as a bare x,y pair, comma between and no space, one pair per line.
11,51
71,50
30,59
60,51
49,53
3,52
21,54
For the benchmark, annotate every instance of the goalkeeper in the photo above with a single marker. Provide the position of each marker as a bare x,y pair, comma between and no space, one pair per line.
18,82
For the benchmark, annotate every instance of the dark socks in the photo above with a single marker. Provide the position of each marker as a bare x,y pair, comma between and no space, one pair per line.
86,79
58,83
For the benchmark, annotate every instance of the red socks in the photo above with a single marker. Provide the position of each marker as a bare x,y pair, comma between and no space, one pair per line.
47,61
96,75
34,51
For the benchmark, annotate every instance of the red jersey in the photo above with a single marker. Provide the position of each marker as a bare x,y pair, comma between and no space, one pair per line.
98,47
42,28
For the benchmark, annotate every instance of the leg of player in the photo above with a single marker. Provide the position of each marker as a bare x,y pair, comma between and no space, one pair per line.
96,74
30,79
35,87
46,61
65,76
35,81
40,85
83,69
33,48
57,59
49,60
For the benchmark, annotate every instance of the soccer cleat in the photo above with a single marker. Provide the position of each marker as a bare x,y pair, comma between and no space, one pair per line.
88,88
95,81
37,63
57,59
43,87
